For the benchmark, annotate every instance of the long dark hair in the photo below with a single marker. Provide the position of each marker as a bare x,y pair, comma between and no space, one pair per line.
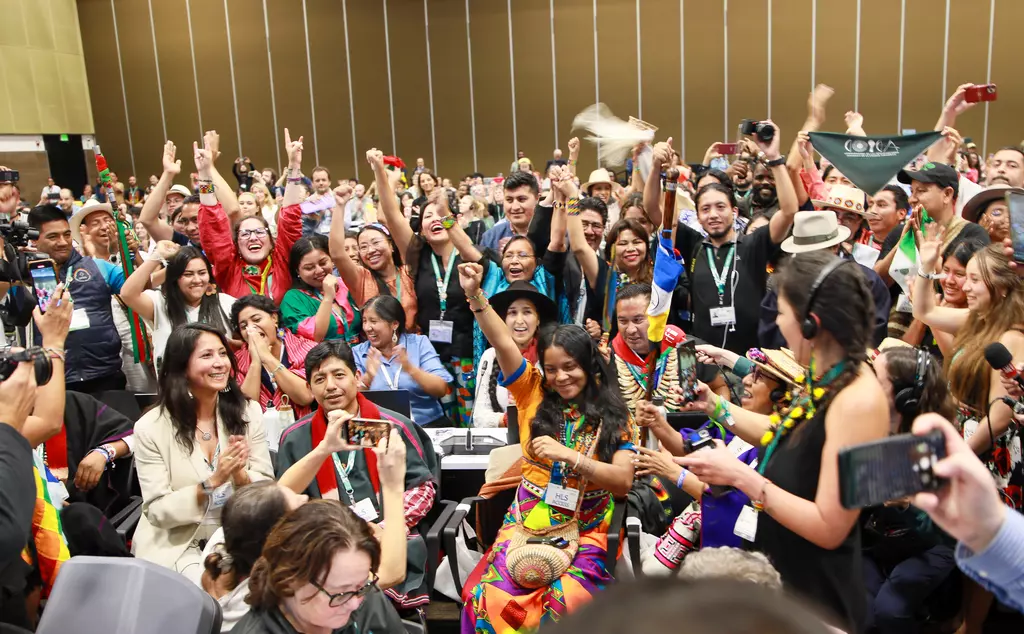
259,302
176,398
302,248
396,257
247,519
600,400
646,272
210,311
901,366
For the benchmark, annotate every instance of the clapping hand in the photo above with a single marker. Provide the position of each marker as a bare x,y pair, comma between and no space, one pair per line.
403,357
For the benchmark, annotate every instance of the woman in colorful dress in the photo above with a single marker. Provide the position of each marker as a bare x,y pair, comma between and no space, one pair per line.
318,305
578,444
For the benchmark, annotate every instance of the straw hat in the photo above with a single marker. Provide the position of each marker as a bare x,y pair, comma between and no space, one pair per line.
843,198
815,230
779,373
597,177
980,201
90,207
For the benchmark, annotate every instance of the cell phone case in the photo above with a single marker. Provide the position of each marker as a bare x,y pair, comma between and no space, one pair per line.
876,472
359,430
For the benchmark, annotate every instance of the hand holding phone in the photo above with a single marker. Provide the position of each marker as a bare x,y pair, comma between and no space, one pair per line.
875,472
984,92
727,148
44,281
367,433
688,370
1015,204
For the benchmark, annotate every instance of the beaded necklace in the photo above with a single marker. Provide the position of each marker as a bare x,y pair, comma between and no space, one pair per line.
802,407
575,422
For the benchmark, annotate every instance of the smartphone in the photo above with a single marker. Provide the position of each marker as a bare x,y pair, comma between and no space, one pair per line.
367,432
44,281
1015,203
688,369
875,472
985,92
53,196
727,148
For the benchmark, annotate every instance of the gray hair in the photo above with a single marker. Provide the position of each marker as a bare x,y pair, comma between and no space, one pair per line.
730,563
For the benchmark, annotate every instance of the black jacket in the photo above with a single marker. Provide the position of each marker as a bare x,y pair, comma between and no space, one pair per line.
374,616
17,504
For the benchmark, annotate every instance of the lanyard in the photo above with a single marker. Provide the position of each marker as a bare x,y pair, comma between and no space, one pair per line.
263,279
392,383
398,285
442,287
720,278
216,454
343,469
558,469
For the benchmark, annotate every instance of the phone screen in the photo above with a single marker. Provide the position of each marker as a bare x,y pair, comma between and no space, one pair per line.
44,280
1015,203
365,432
688,370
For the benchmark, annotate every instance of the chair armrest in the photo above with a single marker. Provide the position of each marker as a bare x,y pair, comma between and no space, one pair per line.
615,535
433,540
450,534
128,518
633,525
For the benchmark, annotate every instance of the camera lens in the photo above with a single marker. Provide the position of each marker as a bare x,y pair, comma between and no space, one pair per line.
765,132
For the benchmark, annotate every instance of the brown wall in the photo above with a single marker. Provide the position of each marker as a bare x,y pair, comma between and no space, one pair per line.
506,98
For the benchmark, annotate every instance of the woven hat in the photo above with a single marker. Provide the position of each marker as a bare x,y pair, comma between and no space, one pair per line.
843,198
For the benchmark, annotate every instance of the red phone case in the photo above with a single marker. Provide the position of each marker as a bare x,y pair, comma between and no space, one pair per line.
987,92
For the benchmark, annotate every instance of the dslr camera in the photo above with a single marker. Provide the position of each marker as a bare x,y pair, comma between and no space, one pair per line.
9,361
763,131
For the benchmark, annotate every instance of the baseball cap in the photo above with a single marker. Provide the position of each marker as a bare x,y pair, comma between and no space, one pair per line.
939,173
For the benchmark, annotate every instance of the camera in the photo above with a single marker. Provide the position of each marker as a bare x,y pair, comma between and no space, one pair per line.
17,233
9,176
763,131
9,363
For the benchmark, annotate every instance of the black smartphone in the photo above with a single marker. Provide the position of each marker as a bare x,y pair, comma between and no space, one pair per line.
688,369
367,432
1015,203
44,281
876,472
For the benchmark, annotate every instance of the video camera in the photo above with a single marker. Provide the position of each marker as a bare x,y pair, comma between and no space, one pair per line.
17,233
763,131
9,363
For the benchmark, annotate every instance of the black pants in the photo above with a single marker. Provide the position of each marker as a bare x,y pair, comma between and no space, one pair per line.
116,381
894,599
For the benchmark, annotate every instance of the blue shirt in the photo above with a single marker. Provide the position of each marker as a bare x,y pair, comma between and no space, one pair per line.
1000,567
425,408
493,236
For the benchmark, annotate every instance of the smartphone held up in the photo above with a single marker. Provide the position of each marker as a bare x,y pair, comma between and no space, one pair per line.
44,281
876,472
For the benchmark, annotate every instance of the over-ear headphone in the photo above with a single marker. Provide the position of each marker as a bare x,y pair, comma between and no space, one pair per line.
909,398
777,394
810,324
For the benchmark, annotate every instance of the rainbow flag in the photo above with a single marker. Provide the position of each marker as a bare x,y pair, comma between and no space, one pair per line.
51,549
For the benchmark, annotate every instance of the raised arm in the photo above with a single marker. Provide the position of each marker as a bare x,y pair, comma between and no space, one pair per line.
855,124
150,214
506,352
293,191
401,232
652,190
783,219
574,154
460,239
956,105
815,118
348,269
585,255
132,292
938,317
225,192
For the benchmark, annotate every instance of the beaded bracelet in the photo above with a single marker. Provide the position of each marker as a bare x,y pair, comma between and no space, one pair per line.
206,187
572,206
758,504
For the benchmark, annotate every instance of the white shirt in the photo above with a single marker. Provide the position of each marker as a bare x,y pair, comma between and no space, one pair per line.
160,327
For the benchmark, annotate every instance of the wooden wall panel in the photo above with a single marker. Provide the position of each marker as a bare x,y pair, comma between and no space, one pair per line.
291,75
488,21
836,54
409,79
616,58
748,64
95,16
791,67
216,104
452,117
535,114
574,62
879,66
660,66
260,141
705,77
369,73
968,57
330,87
139,66
1004,122
179,88
922,64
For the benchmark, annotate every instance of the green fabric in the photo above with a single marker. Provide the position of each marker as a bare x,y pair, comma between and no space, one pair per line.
870,162
297,306
743,367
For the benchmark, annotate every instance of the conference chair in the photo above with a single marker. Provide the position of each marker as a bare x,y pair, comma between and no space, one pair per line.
395,400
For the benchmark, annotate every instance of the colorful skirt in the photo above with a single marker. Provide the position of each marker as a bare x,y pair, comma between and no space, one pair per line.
458,400
497,605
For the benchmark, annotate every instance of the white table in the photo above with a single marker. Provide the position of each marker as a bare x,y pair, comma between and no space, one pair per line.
463,463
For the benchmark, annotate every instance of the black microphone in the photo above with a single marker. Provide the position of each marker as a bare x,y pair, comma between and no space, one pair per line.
1000,359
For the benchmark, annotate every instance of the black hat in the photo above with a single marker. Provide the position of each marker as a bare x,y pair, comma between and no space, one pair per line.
939,173
521,289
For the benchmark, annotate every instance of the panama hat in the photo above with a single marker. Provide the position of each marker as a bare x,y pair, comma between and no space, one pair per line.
815,230
90,207
597,177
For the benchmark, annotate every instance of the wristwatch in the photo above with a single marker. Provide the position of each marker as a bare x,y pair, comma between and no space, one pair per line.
776,162
931,276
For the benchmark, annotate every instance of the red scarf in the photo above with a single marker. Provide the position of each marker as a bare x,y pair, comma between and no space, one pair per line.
673,336
530,354
326,478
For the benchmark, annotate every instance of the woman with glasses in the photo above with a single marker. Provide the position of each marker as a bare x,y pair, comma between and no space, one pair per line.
318,574
253,262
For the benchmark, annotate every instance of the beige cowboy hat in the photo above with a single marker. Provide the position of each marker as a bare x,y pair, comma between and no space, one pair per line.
843,198
597,177
815,230
980,201
90,207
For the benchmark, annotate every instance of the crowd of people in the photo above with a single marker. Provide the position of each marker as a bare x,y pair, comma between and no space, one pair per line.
262,313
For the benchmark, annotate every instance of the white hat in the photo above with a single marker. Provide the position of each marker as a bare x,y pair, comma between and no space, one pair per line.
815,230
597,177
90,207
179,189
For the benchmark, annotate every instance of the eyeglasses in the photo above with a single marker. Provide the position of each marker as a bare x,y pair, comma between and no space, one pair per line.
520,255
245,234
372,246
340,599
595,226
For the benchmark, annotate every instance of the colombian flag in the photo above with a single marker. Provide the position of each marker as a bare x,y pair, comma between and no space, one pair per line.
668,266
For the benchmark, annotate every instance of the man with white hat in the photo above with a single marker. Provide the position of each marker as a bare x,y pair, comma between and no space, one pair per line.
850,206
815,231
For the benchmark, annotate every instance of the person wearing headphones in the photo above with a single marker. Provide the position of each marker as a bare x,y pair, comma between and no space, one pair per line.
906,556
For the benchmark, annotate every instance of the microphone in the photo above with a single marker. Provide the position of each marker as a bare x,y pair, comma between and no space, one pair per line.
1000,359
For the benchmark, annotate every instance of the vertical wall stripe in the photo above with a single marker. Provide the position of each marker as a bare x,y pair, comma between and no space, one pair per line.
769,60
597,78
156,63
273,100
945,56
639,68
351,101
391,94
195,75
309,74
681,142
856,65
512,78
725,69
231,65
124,94
472,104
430,82
988,73
903,33
814,39
554,70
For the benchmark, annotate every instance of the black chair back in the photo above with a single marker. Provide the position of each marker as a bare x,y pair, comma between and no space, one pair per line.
395,400
512,415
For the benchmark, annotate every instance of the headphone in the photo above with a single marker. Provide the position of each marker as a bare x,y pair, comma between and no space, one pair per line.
811,323
909,398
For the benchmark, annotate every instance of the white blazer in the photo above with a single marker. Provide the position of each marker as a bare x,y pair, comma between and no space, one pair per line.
172,515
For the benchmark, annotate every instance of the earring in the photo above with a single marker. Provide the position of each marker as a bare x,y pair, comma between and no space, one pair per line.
190,395
280,333
394,337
